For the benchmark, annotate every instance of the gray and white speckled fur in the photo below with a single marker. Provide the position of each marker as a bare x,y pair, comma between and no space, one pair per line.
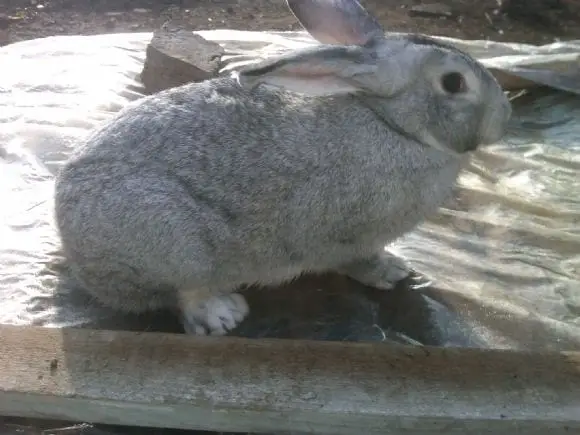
192,192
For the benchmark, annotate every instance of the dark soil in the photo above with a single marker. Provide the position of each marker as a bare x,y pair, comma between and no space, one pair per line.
534,21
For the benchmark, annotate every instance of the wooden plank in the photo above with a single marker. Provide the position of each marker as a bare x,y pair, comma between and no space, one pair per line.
233,384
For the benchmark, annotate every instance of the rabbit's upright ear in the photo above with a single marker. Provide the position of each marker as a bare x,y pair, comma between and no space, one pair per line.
321,70
343,22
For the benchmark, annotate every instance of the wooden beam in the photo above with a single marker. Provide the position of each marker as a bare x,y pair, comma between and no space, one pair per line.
234,384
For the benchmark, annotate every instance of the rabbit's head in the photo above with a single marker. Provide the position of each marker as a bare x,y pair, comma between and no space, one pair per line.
427,90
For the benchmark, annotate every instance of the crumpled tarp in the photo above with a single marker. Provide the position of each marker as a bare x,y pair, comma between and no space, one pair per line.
503,259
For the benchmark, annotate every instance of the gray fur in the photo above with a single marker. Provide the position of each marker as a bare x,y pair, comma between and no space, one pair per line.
190,193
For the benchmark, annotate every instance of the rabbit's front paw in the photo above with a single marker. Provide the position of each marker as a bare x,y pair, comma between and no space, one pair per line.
215,316
382,271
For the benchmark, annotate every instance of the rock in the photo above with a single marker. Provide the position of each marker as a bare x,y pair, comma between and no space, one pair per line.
176,56
111,23
4,40
433,10
6,20
534,12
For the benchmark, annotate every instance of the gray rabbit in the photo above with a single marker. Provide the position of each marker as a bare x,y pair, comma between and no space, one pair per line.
309,162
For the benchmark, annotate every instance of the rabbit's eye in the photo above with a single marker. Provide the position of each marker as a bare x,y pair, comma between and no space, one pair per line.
453,83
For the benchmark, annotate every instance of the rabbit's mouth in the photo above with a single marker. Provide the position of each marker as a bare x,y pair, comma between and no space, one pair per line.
428,139
493,133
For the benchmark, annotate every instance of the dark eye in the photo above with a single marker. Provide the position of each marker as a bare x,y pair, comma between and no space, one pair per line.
453,83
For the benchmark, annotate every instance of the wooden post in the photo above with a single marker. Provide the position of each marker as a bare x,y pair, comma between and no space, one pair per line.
234,384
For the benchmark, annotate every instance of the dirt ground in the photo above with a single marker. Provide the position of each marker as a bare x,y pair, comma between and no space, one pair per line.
534,21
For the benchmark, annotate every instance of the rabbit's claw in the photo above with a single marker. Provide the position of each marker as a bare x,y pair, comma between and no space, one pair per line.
215,316
382,271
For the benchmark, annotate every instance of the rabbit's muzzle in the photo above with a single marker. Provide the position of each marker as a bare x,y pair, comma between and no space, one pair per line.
495,122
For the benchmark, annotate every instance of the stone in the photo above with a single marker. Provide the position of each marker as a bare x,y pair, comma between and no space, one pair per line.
433,10
7,20
176,56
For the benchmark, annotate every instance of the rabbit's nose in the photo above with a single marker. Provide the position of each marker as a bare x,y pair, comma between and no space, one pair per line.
495,123
506,117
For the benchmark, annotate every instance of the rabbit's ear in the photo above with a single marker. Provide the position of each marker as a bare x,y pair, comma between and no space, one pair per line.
322,70
343,22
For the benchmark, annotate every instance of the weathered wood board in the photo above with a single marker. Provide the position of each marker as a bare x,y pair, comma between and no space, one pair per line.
234,384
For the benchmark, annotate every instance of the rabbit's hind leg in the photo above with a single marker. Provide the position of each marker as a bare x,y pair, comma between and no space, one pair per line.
117,286
205,314
382,270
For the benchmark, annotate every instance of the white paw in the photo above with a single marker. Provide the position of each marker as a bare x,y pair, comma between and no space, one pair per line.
394,270
383,271
215,316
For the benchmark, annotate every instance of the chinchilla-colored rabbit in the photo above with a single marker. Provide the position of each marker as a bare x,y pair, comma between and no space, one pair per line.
191,193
